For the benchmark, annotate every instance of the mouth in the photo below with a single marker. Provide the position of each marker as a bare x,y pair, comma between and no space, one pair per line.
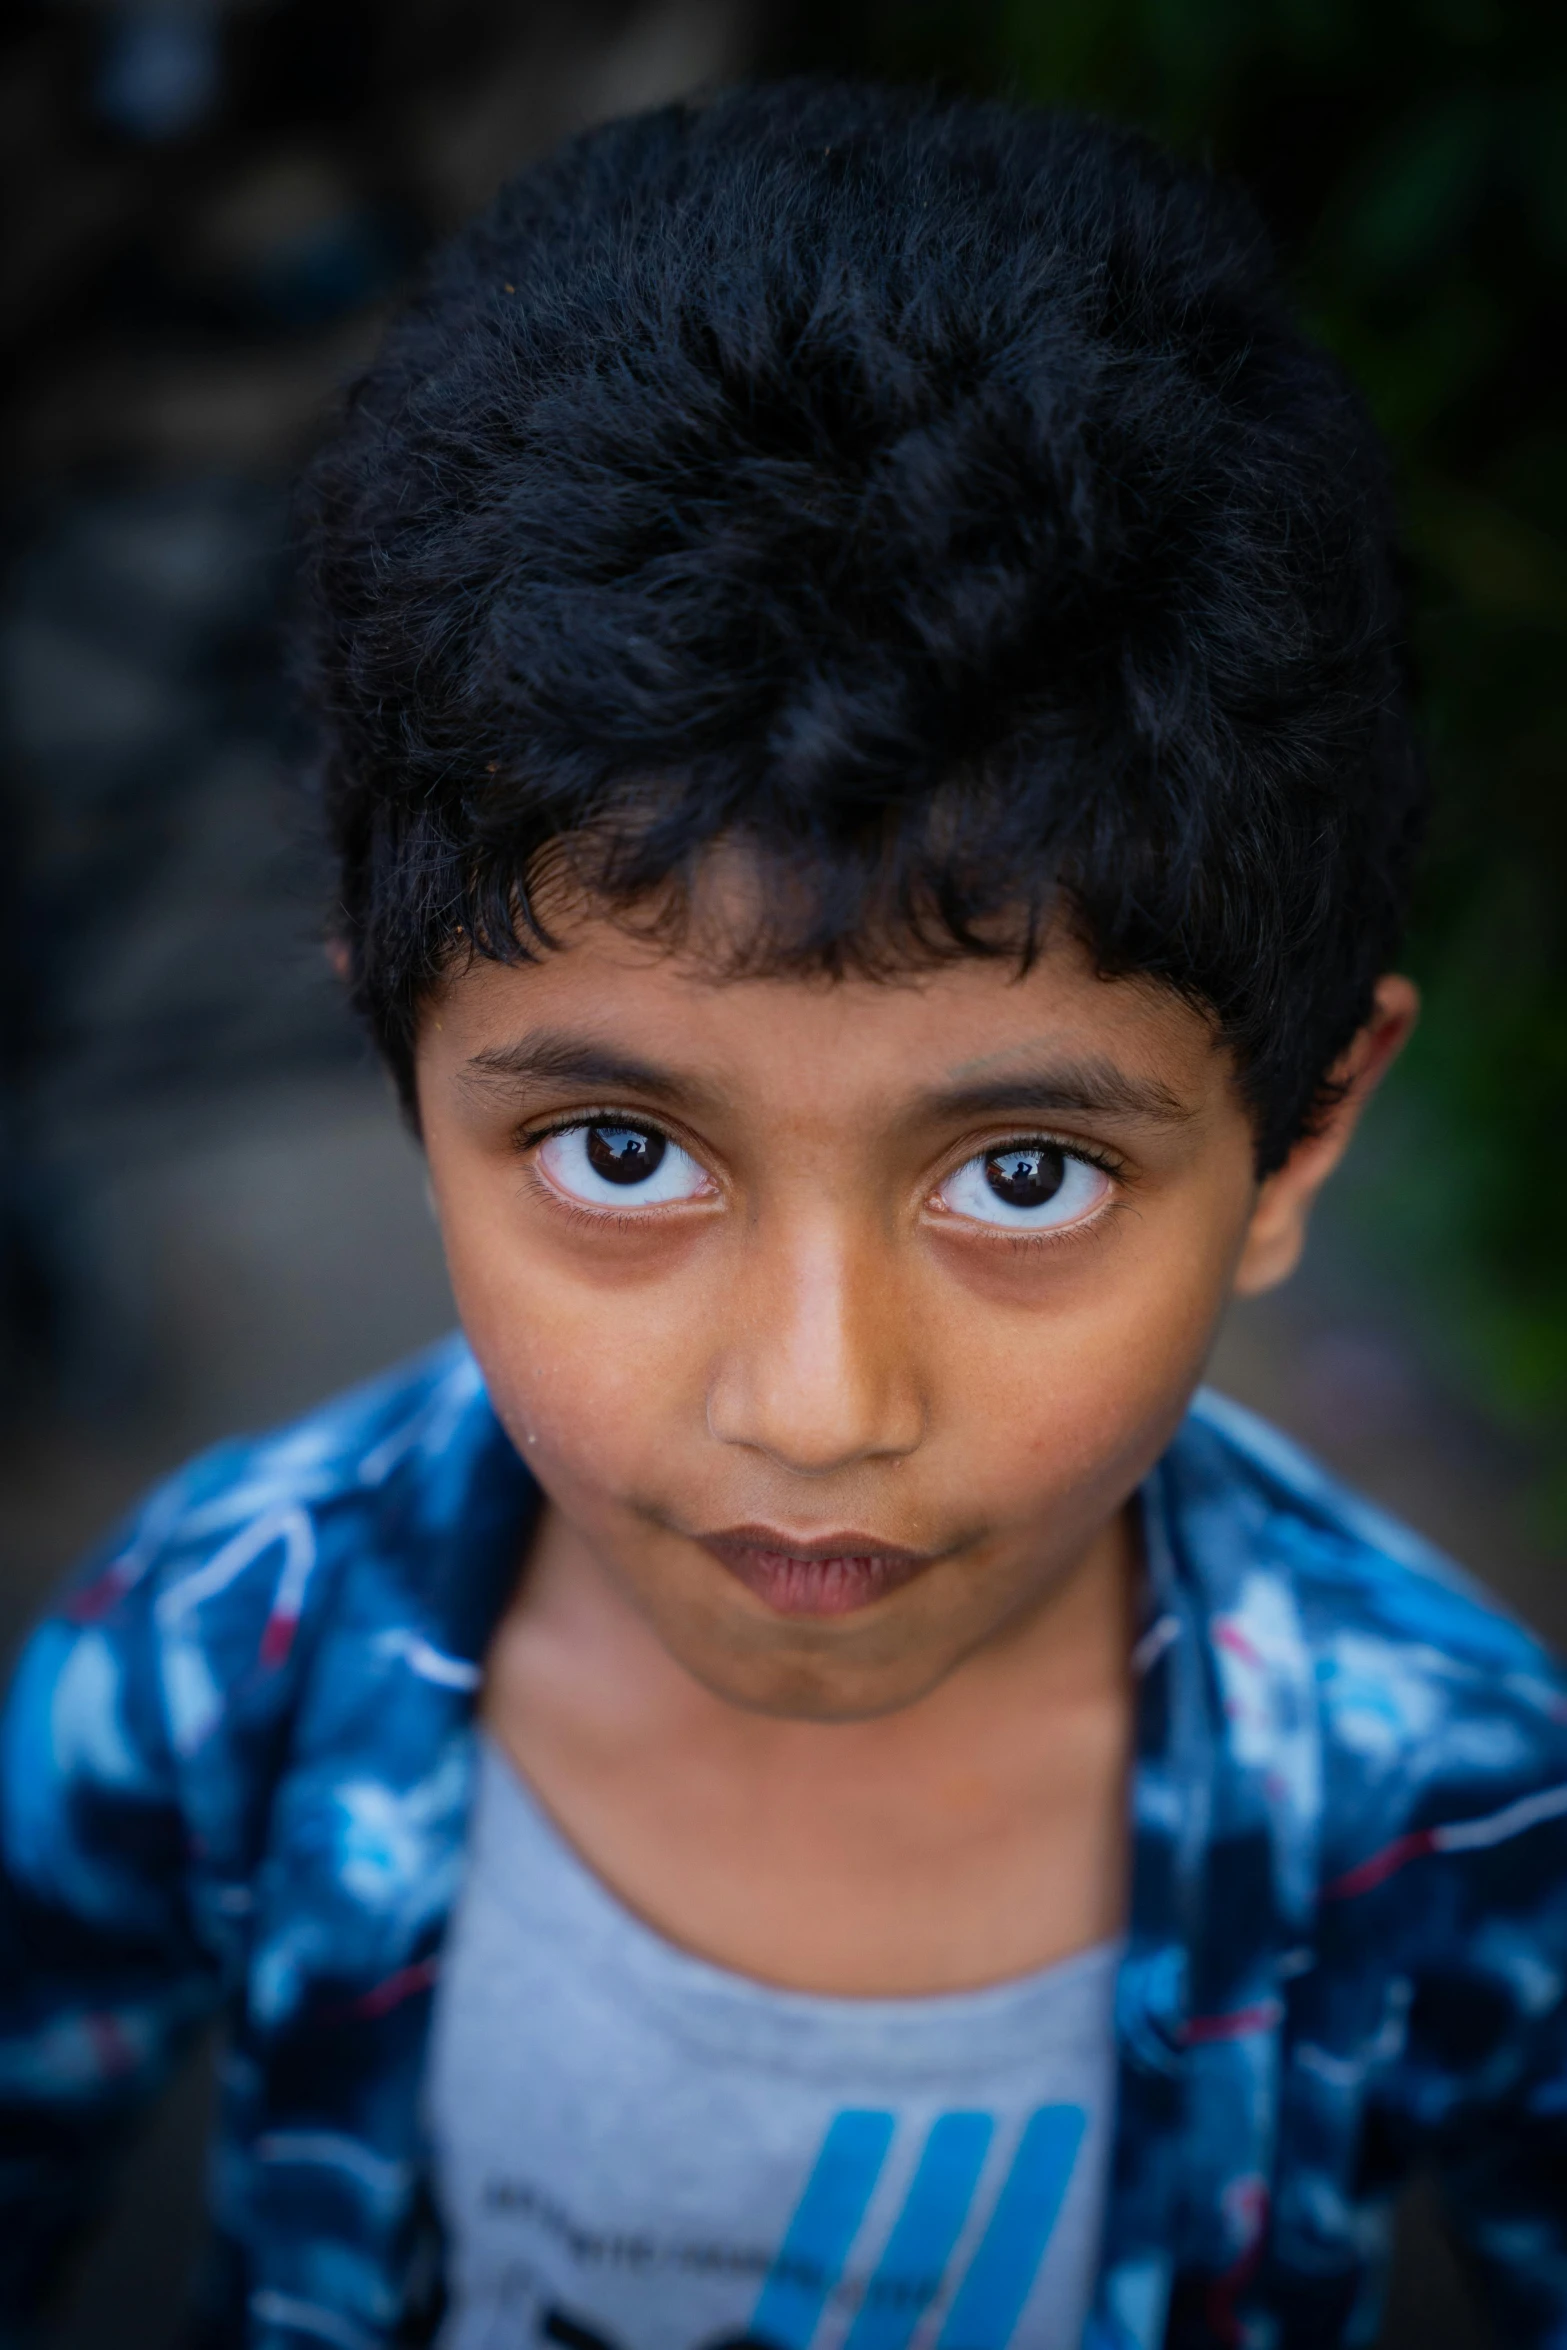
832,1576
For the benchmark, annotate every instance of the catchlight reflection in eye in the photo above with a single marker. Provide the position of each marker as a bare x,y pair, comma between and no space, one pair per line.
1025,1187
610,1166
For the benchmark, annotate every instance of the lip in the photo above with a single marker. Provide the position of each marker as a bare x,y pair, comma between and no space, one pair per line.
824,1575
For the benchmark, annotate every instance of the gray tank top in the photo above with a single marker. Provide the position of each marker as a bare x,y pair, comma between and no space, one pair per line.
635,2150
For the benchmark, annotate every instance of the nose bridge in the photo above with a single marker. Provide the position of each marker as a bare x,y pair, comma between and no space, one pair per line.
816,1368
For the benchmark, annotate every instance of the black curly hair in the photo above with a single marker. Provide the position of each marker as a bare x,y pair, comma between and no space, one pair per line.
936,498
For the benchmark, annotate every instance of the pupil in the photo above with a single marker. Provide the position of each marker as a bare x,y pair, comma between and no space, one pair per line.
623,1154
1026,1178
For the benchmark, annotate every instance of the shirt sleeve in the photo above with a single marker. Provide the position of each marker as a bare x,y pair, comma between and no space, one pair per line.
1483,2074
1502,2168
103,1979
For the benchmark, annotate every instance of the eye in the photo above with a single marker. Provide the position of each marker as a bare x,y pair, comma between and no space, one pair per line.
615,1166
1026,1187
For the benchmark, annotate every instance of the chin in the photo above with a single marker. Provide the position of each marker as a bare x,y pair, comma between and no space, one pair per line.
823,1671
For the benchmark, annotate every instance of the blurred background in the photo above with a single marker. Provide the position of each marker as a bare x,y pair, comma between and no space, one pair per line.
209,1216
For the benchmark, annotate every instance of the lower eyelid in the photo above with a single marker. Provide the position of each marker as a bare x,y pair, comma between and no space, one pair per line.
1107,1178
600,1211
1019,1236
626,1208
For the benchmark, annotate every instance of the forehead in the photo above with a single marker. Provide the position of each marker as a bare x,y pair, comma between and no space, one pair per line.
617,999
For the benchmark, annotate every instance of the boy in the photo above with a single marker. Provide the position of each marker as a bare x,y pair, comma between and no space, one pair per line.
789,1790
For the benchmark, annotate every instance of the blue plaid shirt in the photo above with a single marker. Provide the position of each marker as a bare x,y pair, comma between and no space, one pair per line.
236,1772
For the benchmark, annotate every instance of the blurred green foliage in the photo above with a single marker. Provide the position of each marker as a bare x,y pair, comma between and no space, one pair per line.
1411,158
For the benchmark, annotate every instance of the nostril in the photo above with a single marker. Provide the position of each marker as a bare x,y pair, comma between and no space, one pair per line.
808,1428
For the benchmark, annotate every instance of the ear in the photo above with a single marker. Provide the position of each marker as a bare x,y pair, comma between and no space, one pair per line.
1276,1234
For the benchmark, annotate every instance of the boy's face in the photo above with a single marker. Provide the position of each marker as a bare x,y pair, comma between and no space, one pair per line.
838,1318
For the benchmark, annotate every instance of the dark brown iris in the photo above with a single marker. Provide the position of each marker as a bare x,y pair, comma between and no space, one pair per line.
1027,1177
624,1154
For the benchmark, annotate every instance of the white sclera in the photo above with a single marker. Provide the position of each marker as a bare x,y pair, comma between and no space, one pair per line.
968,1193
564,1158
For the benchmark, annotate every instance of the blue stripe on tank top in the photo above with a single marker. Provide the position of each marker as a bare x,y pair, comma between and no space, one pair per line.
826,2221
1001,2274
909,2273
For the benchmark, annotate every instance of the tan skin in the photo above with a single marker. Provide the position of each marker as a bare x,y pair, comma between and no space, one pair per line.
820,1332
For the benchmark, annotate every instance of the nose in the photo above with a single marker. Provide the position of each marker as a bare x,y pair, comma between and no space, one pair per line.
816,1369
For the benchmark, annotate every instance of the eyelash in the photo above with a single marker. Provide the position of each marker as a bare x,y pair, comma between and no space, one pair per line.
593,1219
530,1137
1019,1243
1108,1162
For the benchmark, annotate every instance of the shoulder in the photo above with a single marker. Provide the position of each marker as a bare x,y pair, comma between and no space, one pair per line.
338,1571
385,1505
1438,1718
385,1465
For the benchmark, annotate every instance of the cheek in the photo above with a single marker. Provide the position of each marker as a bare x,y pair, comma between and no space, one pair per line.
593,1377
1079,1387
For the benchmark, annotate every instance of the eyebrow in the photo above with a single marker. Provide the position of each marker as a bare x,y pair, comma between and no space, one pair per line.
550,1057
1092,1086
